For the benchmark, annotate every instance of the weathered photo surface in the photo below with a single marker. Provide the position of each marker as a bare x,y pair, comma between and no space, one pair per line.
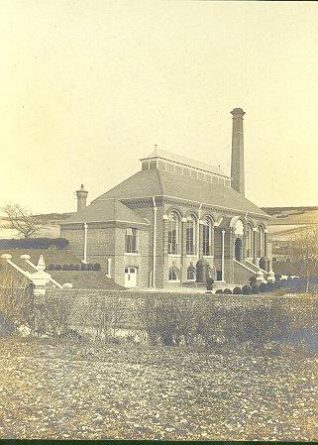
158,220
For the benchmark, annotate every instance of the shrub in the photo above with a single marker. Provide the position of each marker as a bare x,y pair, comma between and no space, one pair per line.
50,267
219,291
277,284
227,291
263,287
278,277
74,267
255,289
280,292
253,281
34,243
246,290
209,283
270,287
237,291
297,285
107,314
170,321
52,317
261,324
16,301
283,282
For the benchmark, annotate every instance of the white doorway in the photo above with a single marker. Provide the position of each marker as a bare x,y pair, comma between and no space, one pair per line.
131,276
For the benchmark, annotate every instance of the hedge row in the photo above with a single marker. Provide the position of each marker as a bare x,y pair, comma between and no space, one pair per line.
79,267
34,243
192,322
293,285
166,320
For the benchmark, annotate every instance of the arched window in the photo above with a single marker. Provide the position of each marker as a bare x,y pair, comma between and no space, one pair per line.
249,241
173,276
191,273
190,235
239,228
261,242
207,237
173,233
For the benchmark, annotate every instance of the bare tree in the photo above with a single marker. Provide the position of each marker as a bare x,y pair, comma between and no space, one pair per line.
20,219
304,253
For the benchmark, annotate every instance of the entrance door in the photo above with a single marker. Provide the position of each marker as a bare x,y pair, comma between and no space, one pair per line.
238,249
131,276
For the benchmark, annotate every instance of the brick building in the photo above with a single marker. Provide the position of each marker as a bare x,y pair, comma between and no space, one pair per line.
173,223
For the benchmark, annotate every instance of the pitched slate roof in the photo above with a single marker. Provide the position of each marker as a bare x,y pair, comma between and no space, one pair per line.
156,182
105,210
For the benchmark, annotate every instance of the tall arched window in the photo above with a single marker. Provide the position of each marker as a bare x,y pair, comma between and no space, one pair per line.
239,228
249,241
173,233
261,242
238,243
191,273
190,235
173,276
207,237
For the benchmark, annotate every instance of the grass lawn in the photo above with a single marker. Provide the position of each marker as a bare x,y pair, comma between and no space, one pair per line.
53,389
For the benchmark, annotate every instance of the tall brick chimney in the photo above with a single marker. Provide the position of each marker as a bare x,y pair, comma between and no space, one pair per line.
81,198
237,165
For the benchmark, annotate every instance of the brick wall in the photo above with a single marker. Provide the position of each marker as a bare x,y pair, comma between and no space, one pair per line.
108,242
75,235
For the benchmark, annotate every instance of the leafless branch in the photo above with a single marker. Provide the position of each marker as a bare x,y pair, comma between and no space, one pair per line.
304,253
20,219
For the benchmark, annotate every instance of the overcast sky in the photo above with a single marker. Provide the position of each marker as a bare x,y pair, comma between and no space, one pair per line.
89,87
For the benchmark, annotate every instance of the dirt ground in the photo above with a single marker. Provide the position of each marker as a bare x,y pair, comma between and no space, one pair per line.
52,389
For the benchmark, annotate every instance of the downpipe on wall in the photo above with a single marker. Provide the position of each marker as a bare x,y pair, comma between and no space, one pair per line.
154,242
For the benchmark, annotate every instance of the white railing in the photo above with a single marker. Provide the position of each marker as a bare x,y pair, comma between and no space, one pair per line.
40,278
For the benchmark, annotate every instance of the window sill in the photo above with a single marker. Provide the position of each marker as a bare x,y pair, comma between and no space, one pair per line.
176,255
132,253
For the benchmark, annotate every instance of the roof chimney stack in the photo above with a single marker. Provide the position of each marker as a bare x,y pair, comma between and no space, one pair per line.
237,165
81,198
